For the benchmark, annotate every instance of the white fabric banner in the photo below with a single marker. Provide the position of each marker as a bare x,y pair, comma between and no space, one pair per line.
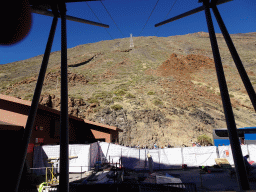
133,158
53,151
155,154
226,152
252,152
111,150
81,163
198,156
170,158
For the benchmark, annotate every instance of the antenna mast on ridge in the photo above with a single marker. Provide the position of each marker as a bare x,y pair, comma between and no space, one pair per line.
131,41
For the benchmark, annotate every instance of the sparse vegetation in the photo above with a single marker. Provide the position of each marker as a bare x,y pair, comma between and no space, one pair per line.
151,93
117,107
148,79
123,86
120,92
29,97
93,83
118,98
93,100
102,95
157,102
108,101
130,96
96,109
204,140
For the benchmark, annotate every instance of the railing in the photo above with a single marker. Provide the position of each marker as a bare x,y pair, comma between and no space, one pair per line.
189,187
186,186
53,172
119,160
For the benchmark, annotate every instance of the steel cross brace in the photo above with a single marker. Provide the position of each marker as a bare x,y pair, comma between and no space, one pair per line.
64,137
193,11
231,125
58,10
239,65
35,102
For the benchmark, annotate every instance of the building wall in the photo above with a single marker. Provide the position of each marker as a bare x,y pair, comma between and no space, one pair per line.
114,136
47,127
44,125
101,135
45,131
83,133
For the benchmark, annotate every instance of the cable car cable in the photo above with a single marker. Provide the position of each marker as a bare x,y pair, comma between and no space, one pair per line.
166,16
149,17
98,19
112,18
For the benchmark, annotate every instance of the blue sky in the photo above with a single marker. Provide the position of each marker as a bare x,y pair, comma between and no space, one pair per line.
130,16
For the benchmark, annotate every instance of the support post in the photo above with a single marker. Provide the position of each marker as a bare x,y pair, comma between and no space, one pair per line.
139,156
64,136
182,156
34,104
145,163
231,125
236,58
159,158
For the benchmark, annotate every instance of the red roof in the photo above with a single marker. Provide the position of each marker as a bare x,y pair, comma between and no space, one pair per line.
102,125
28,103
9,126
42,107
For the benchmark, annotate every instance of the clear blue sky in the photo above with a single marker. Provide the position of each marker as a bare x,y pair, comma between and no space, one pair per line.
130,16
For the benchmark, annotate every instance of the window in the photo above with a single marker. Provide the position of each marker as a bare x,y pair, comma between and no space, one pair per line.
55,128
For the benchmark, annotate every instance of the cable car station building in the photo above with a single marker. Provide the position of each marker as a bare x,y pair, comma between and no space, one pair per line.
46,130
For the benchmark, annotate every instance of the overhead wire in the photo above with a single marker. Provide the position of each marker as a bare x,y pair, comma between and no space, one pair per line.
98,19
166,16
149,17
111,18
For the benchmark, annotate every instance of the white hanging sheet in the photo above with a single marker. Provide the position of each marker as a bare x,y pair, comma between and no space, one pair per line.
42,153
198,156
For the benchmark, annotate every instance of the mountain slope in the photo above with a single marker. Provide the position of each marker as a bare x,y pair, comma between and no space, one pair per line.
163,90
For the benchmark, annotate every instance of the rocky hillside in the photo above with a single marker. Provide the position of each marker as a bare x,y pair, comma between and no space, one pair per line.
164,90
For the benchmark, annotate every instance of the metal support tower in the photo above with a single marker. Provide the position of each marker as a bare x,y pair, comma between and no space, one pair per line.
58,10
231,125
34,104
64,128
131,41
236,58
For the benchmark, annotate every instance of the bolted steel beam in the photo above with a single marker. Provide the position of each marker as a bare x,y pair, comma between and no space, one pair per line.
64,128
236,58
71,18
191,12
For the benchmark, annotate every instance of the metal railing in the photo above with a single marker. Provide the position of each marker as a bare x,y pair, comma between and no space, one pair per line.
189,187
54,172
